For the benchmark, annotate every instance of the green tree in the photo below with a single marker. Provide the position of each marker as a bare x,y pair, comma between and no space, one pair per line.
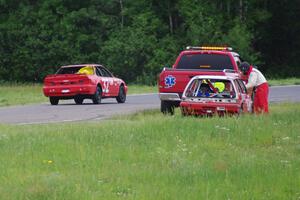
137,38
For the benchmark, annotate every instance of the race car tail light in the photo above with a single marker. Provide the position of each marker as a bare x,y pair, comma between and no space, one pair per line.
209,48
84,81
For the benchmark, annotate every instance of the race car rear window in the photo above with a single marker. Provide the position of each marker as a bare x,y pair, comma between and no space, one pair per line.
205,62
68,70
211,88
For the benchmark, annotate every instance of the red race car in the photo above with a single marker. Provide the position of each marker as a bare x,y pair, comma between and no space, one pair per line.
86,81
207,95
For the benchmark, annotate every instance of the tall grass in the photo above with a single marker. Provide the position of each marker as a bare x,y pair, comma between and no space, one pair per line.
150,156
20,94
286,81
140,89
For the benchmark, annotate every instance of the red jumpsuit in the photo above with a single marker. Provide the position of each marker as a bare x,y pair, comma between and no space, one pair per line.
257,80
261,99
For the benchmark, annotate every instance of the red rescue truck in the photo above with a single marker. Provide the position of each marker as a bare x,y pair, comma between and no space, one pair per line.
192,62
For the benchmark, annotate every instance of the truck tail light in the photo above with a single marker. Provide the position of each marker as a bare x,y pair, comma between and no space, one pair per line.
160,81
157,79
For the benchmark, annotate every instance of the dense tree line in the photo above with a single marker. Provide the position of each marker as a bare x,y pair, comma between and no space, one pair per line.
137,38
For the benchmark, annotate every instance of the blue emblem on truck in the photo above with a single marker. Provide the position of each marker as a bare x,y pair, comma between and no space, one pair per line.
170,81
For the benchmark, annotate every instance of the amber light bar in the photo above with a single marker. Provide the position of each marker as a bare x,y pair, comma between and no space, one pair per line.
209,48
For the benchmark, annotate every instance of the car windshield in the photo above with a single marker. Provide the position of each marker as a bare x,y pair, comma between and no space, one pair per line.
211,88
205,62
88,70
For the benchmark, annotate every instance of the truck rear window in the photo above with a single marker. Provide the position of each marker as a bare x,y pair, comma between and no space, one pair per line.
205,62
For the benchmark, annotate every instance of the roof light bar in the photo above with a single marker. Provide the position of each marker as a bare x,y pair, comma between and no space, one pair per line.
209,48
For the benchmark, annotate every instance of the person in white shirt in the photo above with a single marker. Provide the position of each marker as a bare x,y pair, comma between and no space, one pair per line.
257,80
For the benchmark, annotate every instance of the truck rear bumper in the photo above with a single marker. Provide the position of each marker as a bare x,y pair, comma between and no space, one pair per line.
169,97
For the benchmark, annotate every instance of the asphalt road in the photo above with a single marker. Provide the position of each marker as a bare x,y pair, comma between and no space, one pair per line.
68,111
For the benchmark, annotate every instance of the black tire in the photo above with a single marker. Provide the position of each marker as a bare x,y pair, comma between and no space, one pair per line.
183,113
78,100
121,98
166,107
97,96
53,100
240,112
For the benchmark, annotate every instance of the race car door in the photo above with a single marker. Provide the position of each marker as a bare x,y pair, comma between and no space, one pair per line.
108,84
246,99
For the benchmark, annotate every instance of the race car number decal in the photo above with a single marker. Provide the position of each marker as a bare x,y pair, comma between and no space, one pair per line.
106,84
170,81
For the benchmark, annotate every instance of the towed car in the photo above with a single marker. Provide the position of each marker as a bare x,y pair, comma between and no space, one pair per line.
209,95
85,81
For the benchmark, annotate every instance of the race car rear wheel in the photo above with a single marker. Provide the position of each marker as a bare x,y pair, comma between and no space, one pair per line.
121,98
97,96
166,107
78,100
53,100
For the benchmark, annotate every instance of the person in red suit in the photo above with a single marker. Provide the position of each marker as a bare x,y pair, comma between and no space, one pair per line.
258,83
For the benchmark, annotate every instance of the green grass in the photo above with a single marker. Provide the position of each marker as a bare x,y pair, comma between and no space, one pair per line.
140,89
20,94
287,81
150,156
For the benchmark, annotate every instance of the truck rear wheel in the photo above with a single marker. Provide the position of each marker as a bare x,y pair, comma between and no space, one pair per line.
167,107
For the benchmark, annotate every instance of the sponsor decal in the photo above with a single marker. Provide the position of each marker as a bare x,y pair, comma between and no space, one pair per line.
170,81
